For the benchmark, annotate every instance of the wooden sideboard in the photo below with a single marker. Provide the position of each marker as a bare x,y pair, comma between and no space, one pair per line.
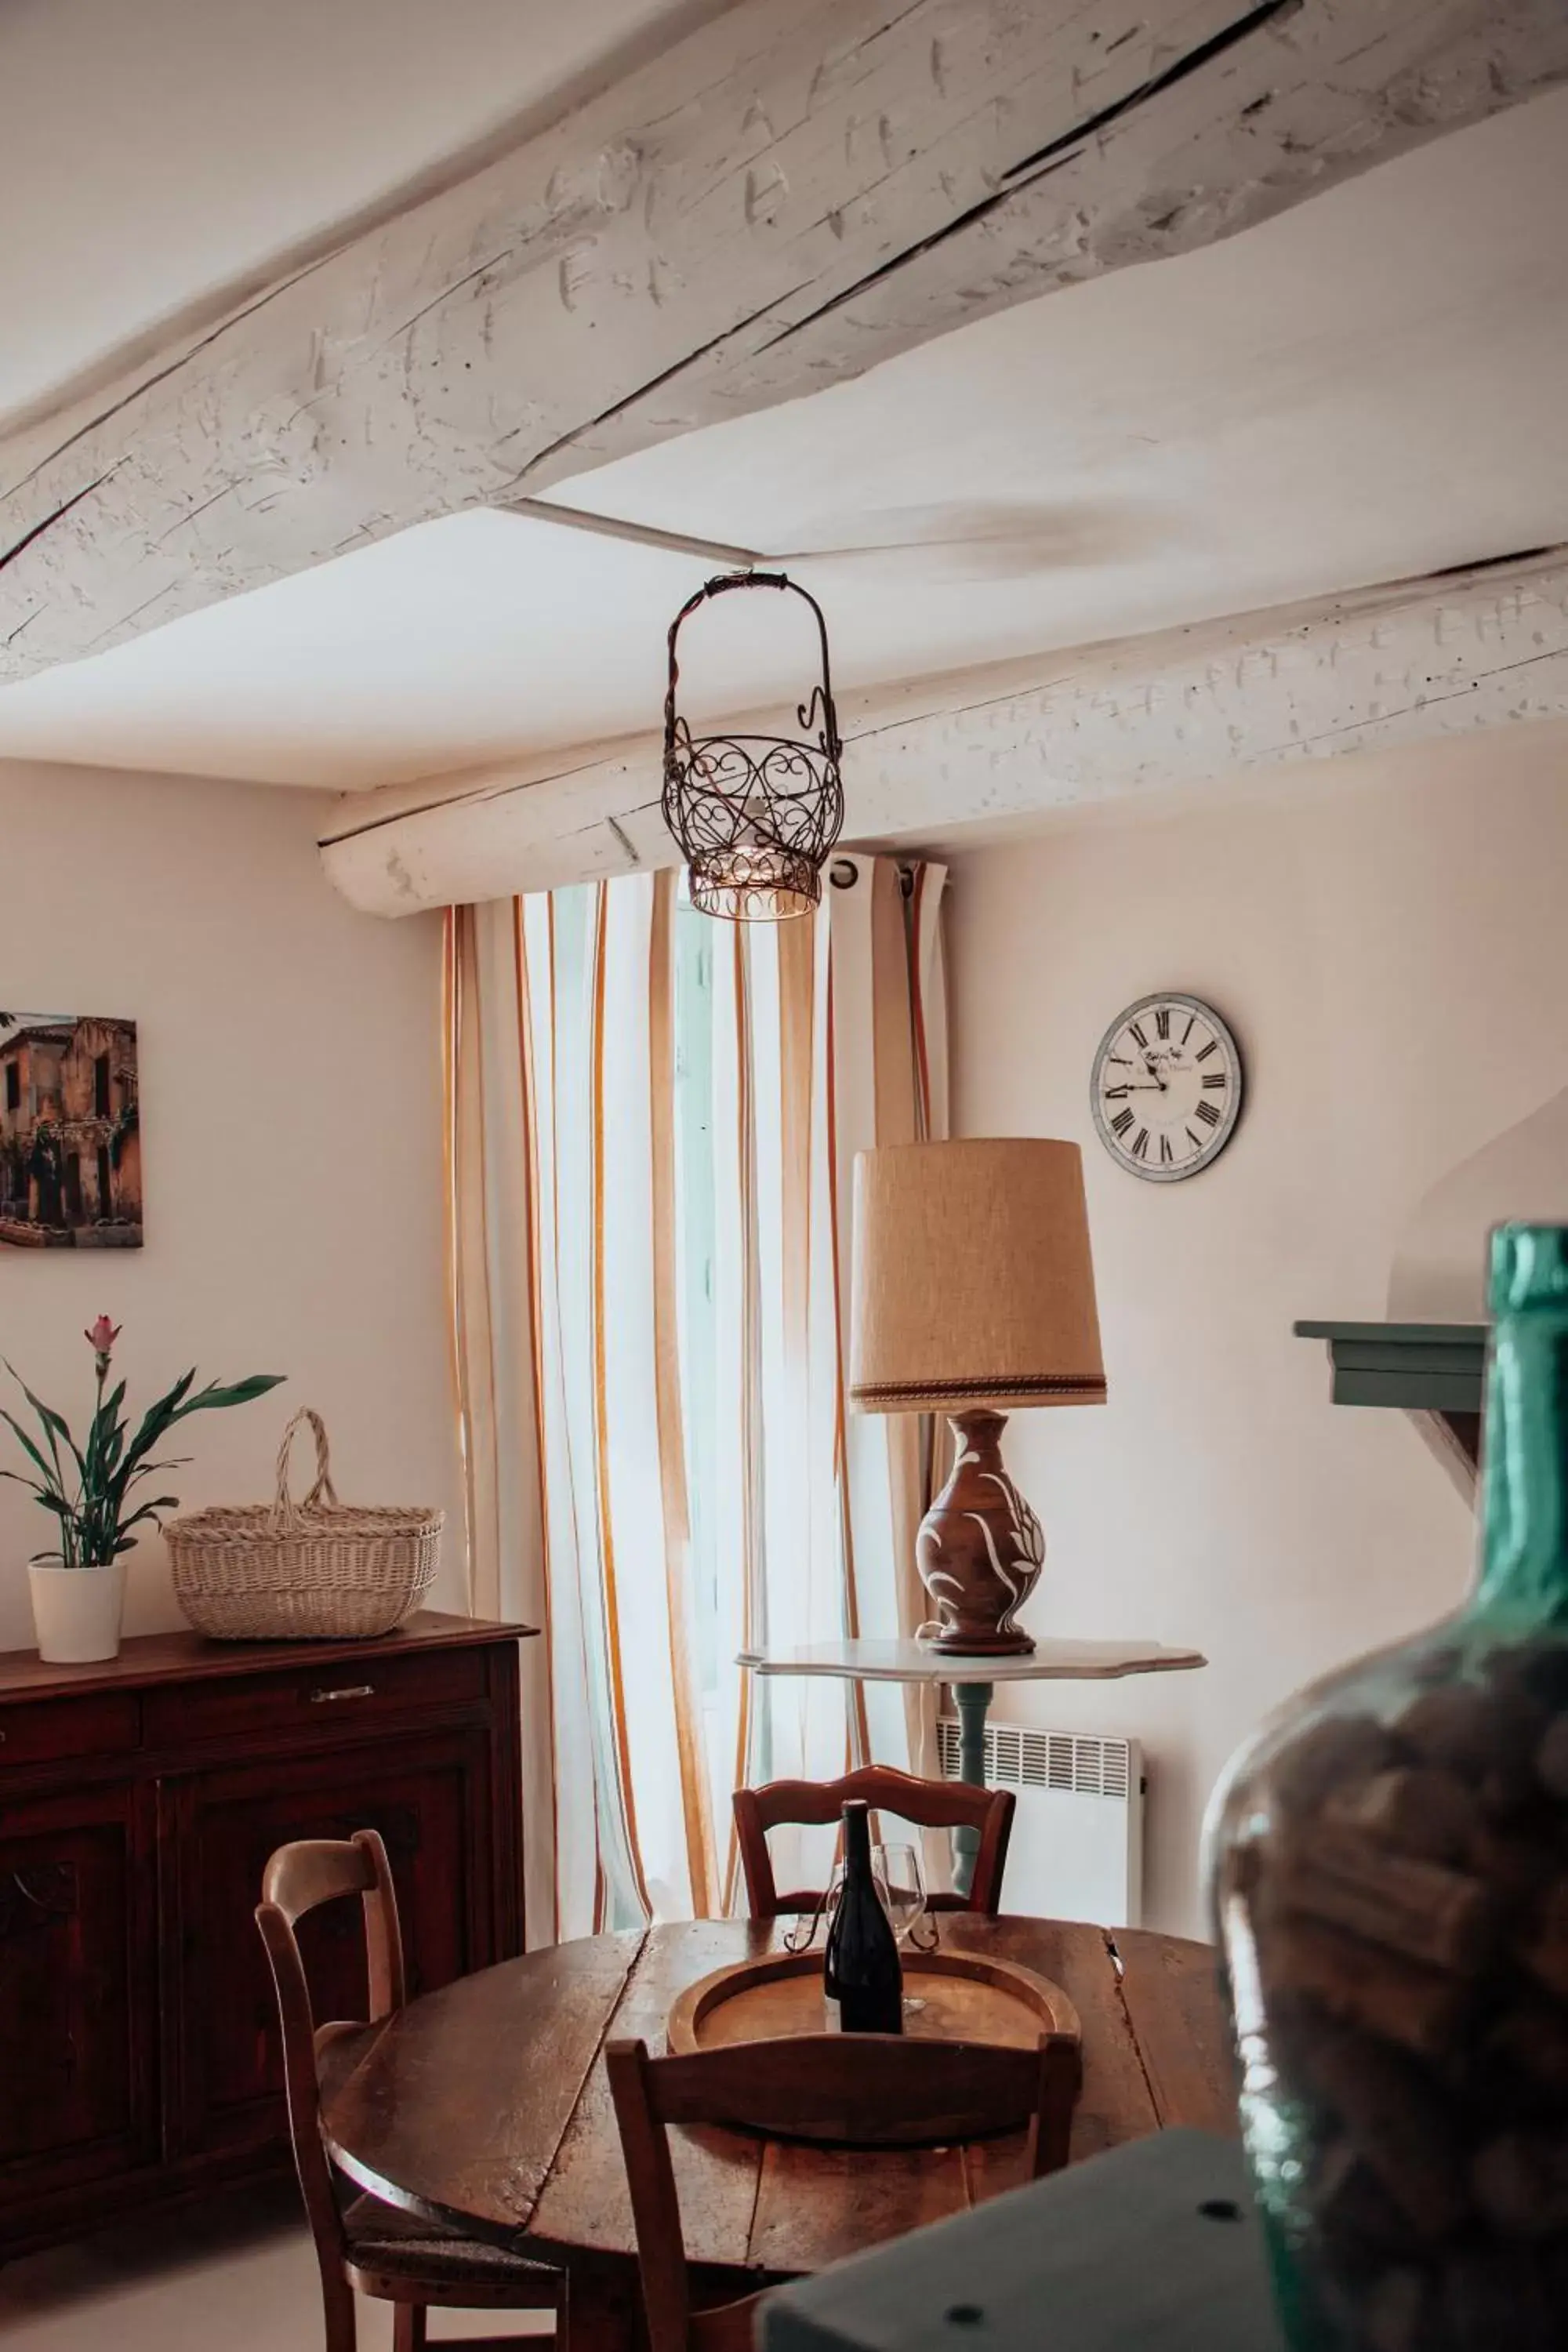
139,1801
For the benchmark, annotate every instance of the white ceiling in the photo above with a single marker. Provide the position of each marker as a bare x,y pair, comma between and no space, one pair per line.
1368,387
153,150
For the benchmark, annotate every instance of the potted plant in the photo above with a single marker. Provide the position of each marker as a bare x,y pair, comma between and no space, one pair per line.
92,1491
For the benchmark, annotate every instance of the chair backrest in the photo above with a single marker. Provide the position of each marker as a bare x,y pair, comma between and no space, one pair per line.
929,1804
855,2089
296,1880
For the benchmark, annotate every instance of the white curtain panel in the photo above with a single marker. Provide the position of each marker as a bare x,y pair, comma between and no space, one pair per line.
652,1119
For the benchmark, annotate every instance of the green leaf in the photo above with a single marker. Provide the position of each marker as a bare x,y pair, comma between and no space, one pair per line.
104,1422
32,1486
157,1419
44,1416
56,1502
151,1469
148,1511
27,1446
46,1413
214,1397
151,1510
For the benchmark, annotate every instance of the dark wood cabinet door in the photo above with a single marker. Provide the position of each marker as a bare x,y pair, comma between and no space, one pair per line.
428,1795
79,2080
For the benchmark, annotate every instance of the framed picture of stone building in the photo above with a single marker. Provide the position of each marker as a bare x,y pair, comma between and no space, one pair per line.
70,1135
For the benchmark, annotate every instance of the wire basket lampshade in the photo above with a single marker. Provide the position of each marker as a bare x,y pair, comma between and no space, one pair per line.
755,816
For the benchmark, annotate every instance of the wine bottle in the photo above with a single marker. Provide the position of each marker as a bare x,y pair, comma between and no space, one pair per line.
862,1980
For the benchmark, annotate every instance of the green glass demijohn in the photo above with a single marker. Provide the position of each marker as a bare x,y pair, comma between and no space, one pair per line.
1389,1866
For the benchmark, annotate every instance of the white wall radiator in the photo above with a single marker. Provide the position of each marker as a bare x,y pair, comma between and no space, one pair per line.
1076,1850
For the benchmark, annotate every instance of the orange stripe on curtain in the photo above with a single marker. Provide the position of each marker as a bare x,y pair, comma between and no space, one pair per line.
527,1081
857,1732
546,1106
470,1262
451,1027
747,1427
625,1790
916,1004
691,1762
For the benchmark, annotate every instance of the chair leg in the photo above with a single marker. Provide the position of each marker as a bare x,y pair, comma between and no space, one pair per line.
408,2327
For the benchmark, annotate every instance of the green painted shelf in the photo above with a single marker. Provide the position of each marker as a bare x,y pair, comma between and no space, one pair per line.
1434,1370
1417,1367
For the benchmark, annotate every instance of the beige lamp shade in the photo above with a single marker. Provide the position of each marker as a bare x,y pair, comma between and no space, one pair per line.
973,1283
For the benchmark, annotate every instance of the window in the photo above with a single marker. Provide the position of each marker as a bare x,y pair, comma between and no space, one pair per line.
13,1086
100,1086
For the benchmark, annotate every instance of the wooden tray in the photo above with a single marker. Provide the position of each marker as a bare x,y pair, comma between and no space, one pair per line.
964,1997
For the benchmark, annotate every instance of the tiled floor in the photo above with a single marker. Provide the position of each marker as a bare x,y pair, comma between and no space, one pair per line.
238,2277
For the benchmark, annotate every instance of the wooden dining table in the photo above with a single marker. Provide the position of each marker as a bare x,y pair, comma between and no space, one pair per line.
486,2105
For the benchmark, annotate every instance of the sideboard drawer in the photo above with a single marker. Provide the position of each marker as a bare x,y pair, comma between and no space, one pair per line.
348,1690
39,1730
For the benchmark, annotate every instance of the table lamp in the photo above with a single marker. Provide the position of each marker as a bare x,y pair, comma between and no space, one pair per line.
974,1295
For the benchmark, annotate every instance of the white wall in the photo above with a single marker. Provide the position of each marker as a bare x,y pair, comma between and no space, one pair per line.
1388,940
291,1143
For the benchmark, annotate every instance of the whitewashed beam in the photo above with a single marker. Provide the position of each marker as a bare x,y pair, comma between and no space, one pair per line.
791,192
1411,664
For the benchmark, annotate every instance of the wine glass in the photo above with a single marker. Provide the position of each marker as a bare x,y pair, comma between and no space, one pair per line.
900,1882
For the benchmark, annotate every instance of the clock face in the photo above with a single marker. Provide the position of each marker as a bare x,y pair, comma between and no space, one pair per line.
1166,1090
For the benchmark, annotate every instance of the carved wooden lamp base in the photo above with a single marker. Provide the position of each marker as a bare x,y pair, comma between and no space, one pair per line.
973,1298
980,1547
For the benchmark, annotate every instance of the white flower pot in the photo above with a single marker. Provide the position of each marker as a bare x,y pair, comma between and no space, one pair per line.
75,1610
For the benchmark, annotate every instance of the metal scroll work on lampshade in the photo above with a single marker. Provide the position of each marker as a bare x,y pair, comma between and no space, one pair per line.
974,1296
754,815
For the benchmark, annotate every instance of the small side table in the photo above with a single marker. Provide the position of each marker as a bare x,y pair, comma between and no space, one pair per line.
974,1682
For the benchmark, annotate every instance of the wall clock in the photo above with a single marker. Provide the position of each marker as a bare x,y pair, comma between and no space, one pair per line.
1166,1088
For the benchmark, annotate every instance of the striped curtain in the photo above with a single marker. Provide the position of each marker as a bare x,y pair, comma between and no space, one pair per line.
651,1121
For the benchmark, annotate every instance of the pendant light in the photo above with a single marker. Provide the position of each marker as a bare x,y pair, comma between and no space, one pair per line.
755,816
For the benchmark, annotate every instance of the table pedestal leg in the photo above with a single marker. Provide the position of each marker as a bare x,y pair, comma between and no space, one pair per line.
973,1699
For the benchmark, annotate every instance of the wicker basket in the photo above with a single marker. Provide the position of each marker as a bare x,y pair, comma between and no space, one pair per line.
303,1571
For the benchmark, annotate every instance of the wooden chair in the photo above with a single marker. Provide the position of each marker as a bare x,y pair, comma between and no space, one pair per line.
929,1804
361,2243
858,2088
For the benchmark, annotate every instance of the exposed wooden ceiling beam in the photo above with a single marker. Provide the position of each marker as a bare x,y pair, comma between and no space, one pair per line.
1410,664
791,192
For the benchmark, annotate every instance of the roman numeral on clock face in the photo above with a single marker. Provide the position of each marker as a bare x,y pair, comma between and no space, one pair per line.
1208,1114
1137,1030
1121,1122
1166,1154
1162,1020
1214,1078
1204,1051
1140,1144
1116,1094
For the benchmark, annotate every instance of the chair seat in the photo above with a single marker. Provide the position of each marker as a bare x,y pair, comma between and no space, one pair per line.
407,2246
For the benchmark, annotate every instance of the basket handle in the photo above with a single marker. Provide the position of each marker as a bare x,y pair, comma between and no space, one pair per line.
285,1510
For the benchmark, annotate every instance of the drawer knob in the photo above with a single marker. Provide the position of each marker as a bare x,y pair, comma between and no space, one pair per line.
349,1690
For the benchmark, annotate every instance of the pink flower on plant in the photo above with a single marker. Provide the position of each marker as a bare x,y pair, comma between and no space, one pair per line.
102,1336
